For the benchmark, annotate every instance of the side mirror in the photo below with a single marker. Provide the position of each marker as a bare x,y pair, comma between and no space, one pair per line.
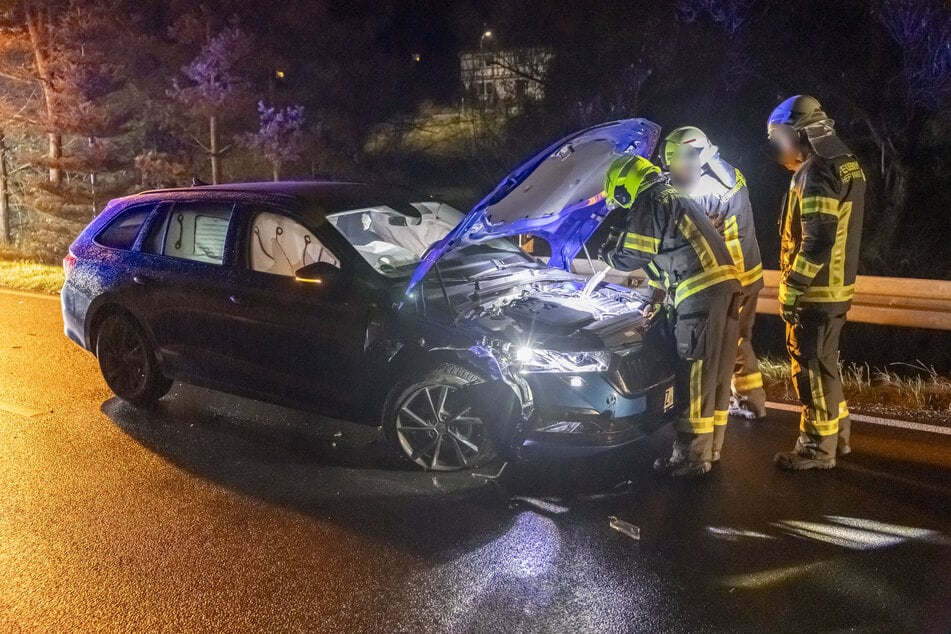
317,273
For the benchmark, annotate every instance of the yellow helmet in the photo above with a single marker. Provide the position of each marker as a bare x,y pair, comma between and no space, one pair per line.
626,178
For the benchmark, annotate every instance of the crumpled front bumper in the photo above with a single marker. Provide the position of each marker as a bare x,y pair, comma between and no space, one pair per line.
561,415
591,414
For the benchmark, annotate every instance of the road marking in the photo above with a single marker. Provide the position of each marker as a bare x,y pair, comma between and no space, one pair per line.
13,408
10,291
874,420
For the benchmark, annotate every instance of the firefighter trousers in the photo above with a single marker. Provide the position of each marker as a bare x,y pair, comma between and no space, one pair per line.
706,332
747,381
813,346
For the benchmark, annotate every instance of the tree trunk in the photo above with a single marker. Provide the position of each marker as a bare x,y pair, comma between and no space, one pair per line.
213,149
895,188
42,70
55,153
4,194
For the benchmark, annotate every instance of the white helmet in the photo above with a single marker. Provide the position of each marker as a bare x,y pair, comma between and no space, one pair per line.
686,153
689,143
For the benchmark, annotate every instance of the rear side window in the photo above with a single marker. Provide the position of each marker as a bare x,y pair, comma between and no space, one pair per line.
122,232
193,231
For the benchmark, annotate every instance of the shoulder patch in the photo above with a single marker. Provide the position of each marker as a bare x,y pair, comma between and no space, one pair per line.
666,194
850,170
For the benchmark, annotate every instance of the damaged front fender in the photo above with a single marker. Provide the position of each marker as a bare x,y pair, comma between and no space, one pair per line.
500,407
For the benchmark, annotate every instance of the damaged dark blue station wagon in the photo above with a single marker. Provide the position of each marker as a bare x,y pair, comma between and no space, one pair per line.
386,306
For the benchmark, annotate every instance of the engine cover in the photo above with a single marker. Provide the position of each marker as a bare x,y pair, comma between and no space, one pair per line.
537,314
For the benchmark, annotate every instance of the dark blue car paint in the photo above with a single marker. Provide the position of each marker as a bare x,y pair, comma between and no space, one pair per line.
250,333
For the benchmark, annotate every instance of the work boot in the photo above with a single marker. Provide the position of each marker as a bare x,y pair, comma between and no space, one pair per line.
744,408
808,454
681,464
681,469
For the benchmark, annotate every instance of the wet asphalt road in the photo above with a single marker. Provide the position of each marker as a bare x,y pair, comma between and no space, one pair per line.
214,513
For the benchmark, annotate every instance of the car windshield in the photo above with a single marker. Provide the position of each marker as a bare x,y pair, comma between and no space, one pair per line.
393,242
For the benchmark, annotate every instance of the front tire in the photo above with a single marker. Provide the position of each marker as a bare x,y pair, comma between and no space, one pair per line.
425,420
128,362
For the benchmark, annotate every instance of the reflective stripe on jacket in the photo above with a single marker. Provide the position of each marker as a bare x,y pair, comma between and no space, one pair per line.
821,229
728,207
670,238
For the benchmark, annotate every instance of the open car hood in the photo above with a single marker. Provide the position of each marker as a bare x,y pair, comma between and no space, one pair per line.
557,195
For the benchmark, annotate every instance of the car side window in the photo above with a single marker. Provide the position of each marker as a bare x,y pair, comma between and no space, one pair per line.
280,245
124,229
191,231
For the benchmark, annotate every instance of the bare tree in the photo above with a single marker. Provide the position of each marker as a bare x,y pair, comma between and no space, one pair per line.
730,15
921,30
37,17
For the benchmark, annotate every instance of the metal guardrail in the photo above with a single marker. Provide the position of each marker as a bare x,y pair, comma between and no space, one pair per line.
887,301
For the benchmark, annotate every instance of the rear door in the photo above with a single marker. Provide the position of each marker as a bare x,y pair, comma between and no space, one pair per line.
301,340
185,279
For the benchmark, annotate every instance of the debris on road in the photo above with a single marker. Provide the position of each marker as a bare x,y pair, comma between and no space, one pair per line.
625,528
490,477
621,488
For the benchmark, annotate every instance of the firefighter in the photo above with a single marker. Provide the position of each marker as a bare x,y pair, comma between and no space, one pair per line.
696,170
685,260
821,228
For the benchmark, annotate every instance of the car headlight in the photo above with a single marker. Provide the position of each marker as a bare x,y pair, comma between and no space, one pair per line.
538,360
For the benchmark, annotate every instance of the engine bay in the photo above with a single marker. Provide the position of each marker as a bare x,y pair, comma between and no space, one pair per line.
559,309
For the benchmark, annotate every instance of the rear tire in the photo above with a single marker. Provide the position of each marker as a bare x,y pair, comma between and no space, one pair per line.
430,428
128,362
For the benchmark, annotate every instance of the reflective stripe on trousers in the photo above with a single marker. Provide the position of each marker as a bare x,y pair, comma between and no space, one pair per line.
747,380
707,369
813,346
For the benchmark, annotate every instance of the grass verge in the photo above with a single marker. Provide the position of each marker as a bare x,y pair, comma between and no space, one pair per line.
24,275
913,389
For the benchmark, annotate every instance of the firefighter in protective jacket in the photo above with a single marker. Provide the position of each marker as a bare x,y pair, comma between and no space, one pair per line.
669,237
696,170
821,228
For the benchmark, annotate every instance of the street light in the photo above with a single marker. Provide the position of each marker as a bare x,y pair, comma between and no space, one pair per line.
487,34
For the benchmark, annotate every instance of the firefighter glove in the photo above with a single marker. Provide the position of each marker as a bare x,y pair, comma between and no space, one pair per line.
789,305
610,245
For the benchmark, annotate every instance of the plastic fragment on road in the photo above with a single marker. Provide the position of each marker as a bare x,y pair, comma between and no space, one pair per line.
621,488
489,477
625,528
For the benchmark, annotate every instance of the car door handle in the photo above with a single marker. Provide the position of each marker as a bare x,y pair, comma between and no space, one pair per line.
138,279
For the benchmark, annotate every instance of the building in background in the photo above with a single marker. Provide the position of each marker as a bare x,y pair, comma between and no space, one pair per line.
504,79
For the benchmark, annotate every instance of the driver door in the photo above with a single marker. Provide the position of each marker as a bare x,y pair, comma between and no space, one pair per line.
297,340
